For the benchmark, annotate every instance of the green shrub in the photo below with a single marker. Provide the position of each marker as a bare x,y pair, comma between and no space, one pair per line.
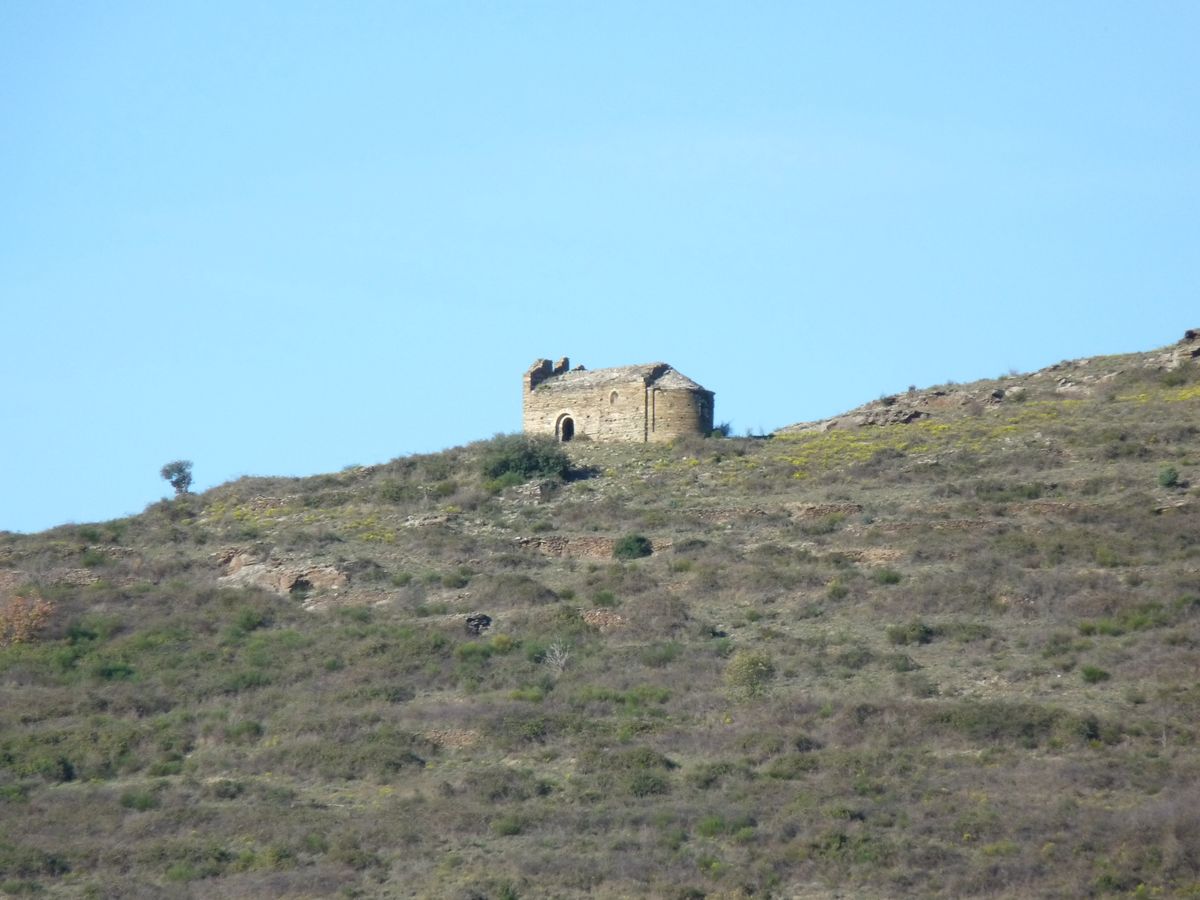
245,732
249,619
710,826
838,590
886,576
474,651
632,546
506,826
244,680
395,491
604,598
708,775
659,655
1174,378
1168,476
27,862
901,662
531,694
455,580
139,800
528,456
824,525
1094,674
443,489
112,670
791,766
635,700
647,784
749,673
855,657
914,632
381,753
507,480
995,720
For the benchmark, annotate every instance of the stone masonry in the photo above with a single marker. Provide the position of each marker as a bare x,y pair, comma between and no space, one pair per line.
651,402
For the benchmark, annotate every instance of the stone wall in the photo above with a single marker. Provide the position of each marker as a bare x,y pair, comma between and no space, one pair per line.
673,413
610,412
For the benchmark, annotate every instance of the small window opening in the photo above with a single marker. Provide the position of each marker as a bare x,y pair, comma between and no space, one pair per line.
612,398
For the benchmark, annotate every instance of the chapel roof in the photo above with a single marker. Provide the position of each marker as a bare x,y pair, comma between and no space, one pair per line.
658,375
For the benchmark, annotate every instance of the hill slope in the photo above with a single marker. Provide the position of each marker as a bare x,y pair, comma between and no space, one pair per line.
944,654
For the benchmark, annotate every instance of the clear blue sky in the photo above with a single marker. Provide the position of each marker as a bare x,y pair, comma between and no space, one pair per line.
281,238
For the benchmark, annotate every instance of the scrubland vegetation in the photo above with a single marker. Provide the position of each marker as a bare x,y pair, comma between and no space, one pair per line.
956,657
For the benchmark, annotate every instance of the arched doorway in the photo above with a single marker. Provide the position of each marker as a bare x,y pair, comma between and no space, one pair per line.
566,428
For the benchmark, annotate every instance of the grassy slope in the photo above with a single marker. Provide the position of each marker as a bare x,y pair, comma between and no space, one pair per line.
940,659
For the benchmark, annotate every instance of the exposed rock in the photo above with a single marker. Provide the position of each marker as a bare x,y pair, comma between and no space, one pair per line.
1185,351
478,623
1072,388
878,556
452,738
889,415
424,521
603,620
234,559
273,575
534,491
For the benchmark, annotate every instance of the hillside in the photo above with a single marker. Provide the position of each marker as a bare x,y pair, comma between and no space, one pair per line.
945,645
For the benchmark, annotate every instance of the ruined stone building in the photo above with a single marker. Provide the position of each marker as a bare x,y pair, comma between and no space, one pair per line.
651,402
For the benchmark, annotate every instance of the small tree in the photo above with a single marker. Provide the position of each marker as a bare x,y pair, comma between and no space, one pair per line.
1168,476
179,475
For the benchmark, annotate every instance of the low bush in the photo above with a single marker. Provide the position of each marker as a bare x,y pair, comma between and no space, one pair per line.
527,456
508,825
914,632
632,546
987,720
886,576
749,673
139,800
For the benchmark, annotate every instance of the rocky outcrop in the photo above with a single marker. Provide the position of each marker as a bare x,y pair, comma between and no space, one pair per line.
241,567
1185,351
477,623
603,620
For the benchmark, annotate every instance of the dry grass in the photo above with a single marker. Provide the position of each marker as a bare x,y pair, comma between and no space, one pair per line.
952,658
